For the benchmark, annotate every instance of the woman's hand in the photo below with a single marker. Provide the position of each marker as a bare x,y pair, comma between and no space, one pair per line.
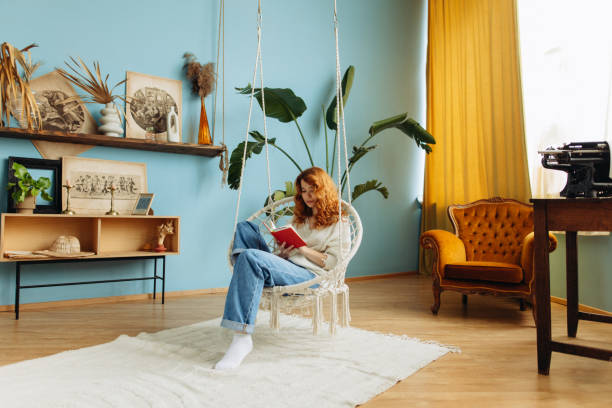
285,252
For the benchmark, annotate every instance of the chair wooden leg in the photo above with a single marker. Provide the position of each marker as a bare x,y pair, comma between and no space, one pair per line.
464,299
436,293
522,304
533,309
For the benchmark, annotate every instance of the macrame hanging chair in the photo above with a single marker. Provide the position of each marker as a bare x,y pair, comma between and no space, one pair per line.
303,296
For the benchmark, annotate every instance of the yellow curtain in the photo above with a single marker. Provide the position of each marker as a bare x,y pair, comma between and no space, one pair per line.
474,107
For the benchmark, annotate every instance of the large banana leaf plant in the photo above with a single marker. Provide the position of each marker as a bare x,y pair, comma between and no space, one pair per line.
282,104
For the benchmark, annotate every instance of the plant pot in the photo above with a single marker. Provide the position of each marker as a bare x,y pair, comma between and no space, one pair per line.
27,206
111,123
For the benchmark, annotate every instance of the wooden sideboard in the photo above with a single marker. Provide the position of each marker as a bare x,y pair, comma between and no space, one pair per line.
108,237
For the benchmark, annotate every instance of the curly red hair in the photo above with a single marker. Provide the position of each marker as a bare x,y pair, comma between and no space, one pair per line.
327,198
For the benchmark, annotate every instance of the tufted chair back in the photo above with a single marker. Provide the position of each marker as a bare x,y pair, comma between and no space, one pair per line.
492,230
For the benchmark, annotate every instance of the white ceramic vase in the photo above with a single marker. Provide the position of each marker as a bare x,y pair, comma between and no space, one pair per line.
111,123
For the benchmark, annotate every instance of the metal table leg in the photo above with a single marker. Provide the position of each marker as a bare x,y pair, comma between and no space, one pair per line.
163,279
154,276
17,287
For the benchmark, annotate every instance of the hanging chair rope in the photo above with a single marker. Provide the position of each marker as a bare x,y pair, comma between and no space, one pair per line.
263,103
340,117
224,159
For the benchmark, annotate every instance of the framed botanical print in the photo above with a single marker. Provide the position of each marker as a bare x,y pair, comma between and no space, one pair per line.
51,169
149,100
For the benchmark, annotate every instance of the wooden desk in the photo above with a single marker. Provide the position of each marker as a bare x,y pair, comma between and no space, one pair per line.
108,237
570,215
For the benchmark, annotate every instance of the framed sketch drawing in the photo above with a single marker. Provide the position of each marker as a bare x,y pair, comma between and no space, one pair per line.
91,181
51,91
150,99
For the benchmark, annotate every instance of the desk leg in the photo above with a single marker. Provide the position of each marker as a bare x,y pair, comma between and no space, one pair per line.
163,279
571,262
542,287
17,287
154,276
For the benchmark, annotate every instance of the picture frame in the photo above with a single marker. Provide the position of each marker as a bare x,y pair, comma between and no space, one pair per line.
91,181
38,168
50,91
149,99
143,204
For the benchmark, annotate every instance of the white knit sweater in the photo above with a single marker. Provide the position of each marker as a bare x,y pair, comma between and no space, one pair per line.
325,240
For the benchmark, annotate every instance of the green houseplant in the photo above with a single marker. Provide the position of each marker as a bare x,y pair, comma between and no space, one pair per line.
282,104
26,189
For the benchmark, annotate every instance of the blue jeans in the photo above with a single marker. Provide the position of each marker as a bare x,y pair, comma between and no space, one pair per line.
255,267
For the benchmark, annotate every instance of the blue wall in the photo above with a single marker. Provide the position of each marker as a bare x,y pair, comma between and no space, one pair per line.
385,41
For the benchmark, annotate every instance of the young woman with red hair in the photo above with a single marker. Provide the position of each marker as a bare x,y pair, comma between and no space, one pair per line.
255,266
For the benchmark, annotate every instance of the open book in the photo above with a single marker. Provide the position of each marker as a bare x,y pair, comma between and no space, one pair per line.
286,235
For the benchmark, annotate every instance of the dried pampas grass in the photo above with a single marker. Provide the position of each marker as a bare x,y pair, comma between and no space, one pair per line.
202,77
14,87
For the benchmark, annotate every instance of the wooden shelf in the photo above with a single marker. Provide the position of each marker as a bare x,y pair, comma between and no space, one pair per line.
106,236
110,141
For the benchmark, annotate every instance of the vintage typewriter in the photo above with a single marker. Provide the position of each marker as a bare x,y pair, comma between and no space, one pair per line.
587,165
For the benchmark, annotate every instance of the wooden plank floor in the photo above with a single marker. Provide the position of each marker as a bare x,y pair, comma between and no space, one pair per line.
497,366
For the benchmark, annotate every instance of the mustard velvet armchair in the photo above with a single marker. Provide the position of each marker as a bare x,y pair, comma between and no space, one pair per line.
491,251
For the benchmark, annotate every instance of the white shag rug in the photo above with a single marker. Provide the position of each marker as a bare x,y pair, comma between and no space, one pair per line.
173,368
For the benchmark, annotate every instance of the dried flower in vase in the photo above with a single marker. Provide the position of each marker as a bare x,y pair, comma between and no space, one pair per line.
98,91
202,79
15,87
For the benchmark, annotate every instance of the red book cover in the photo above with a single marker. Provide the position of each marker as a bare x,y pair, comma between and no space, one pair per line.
289,236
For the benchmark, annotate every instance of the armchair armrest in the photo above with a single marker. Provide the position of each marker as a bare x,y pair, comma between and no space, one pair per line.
527,255
447,247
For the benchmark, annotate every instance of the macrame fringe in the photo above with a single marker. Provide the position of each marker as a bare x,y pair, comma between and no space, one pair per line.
316,316
275,311
334,314
346,312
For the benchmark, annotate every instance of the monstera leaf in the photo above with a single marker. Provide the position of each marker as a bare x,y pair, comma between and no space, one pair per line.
368,186
281,103
408,126
347,83
233,174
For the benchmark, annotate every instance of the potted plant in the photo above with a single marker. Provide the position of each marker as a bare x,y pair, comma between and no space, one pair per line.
282,104
26,189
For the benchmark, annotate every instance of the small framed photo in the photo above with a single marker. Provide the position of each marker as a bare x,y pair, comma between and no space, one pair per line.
143,204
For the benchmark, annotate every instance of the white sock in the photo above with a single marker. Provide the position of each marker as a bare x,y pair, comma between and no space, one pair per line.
241,346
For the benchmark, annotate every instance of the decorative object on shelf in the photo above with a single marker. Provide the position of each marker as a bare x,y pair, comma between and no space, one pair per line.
23,186
65,246
143,204
14,85
172,126
97,91
112,209
68,187
149,99
163,230
92,180
202,79
111,122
